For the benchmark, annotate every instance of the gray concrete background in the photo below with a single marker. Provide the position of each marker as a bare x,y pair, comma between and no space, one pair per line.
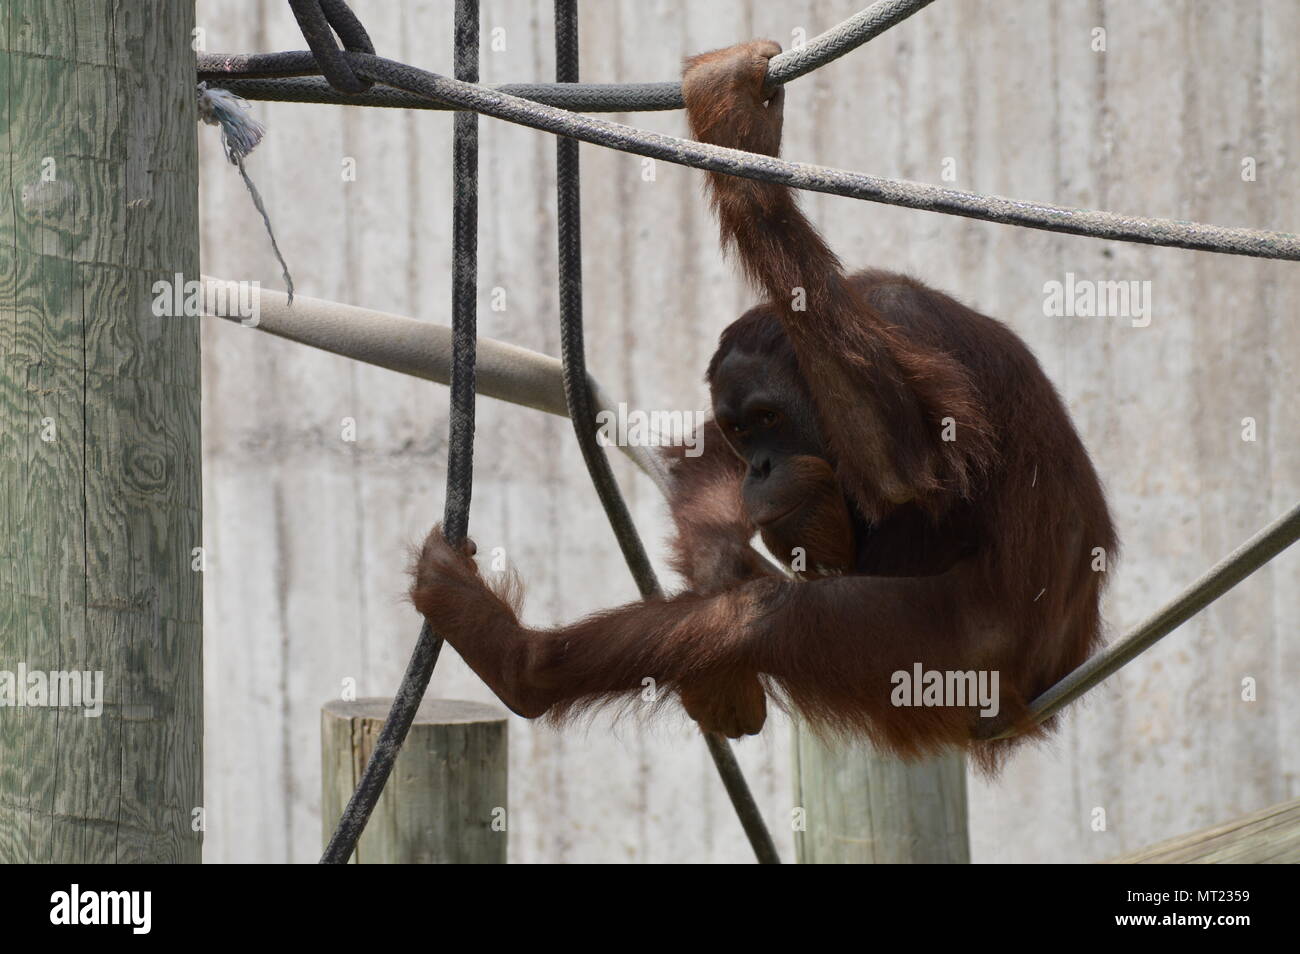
307,533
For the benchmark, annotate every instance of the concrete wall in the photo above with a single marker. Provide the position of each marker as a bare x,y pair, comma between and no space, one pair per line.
307,532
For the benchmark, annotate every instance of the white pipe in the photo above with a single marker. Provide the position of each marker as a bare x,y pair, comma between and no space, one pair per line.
418,348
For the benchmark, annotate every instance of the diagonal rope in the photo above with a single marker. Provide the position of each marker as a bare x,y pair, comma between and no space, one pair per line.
577,393
277,79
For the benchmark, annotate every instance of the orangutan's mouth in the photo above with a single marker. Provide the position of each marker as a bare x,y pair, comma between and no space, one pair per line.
768,521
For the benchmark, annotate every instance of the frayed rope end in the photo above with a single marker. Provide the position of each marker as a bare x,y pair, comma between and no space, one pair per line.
240,134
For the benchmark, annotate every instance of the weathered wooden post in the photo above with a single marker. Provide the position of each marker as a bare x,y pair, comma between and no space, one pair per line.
100,496
860,807
445,802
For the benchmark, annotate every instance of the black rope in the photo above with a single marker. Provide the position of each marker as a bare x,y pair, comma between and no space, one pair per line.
577,394
584,97
573,361
464,282
319,20
460,451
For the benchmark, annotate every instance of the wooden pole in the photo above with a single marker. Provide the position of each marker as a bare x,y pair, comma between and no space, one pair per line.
100,495
860,807
445,802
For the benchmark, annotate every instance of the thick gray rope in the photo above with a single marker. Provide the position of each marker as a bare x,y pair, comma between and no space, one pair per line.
990,208
845,38
278,80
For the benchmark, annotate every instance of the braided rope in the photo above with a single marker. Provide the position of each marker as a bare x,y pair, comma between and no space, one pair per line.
268,76
460,450
577,394
1174,233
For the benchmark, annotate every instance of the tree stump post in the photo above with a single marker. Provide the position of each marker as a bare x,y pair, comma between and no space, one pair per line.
860,807
445,802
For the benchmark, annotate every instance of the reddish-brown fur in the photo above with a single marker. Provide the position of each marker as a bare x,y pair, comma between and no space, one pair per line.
974,553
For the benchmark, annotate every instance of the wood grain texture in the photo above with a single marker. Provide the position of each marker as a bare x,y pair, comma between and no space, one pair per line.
307,531
446,801
1270,836
99,439
860,807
